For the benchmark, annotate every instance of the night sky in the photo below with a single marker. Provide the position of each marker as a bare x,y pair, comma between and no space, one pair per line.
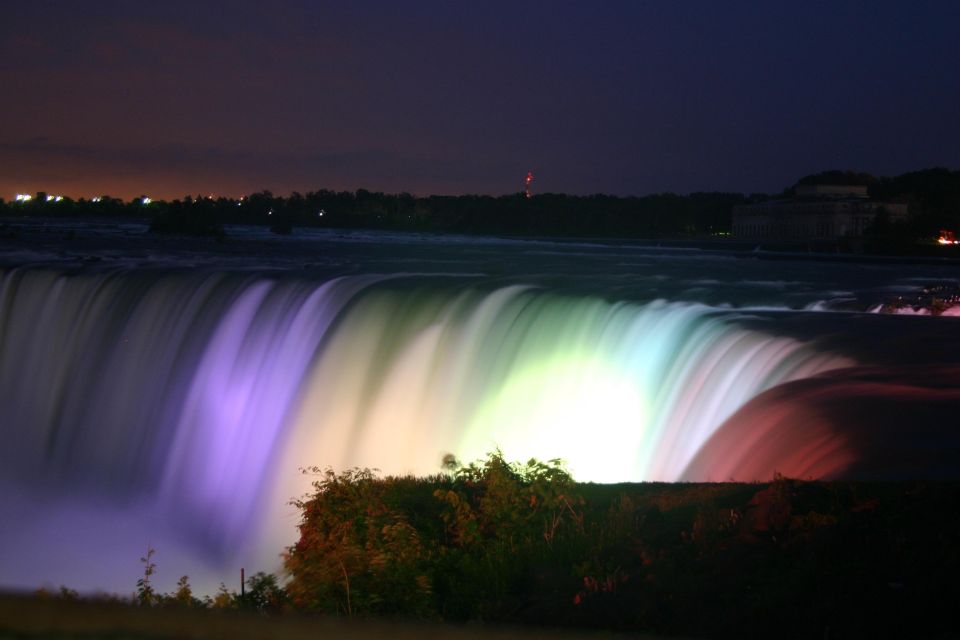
633,97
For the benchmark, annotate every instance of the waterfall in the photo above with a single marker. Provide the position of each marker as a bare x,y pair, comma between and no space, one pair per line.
189,400
619,391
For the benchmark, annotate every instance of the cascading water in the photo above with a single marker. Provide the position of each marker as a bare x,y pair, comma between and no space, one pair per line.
178,407
619,391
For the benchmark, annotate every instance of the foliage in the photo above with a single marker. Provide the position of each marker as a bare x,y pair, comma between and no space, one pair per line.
551,213
510,502
183,596
372,545
263,594
525,543
358,552
933,196
198,218
63,593
146,595
223,599
506,523
837,177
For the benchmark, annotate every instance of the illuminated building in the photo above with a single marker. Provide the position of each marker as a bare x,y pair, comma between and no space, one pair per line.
815,212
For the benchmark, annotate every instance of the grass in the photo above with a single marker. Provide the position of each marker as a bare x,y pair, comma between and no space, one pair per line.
49,619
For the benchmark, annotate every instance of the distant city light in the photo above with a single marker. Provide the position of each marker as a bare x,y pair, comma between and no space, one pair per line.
96,199
49,198
270,213
321,212
58,199
146,200
23,197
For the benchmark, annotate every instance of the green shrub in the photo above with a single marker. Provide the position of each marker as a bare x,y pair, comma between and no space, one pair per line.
458,546
356,553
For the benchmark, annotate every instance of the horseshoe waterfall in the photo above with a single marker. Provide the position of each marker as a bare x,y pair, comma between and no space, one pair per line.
175,409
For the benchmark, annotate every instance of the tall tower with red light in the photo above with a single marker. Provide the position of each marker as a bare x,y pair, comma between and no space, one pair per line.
526,184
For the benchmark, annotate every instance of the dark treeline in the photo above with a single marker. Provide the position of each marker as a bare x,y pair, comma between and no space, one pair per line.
550,214
933,196
547,214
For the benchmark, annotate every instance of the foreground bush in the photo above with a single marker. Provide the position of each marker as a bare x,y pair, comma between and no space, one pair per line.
524,543
454,546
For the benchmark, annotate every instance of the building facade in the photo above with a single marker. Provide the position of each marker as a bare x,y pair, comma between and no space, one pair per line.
816,212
